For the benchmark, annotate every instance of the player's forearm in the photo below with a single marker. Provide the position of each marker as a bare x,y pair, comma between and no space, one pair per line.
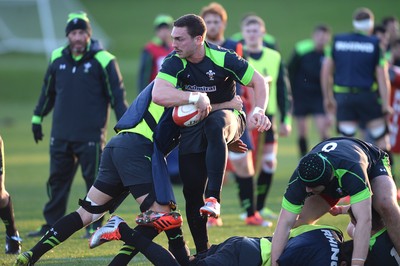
165,94
279,241
384,85
326,79
280,238
235,103
261,91
361,242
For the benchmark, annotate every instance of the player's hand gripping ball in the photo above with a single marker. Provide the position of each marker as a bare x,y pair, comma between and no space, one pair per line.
186,115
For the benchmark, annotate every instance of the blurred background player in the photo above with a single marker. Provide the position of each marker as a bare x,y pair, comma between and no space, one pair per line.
380,32
304,69
355,81
268,39
86,77
269,63
155,51
391,24
13,241
394,123
215,17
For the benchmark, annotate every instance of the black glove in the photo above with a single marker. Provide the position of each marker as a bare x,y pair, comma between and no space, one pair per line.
37,132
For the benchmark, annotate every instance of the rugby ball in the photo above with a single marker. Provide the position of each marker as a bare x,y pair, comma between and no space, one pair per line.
186,115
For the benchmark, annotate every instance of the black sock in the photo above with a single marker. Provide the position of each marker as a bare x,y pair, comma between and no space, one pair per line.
303,146
177,245
263,185
153,252
246,194
128,251
124,256
7,215
61,230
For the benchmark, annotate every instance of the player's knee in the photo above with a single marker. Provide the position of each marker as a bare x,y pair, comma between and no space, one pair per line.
378,132
92,208
347,130
236,156
269,162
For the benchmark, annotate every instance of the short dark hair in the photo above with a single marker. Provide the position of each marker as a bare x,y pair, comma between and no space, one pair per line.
195,25
322,27
388,19
379,29
362,14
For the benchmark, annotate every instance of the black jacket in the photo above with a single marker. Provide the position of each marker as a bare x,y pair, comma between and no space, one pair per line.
80,92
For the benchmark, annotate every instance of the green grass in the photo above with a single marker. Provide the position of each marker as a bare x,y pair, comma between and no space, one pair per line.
129,24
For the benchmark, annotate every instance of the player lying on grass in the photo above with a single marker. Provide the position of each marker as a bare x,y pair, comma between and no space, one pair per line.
126,166
308,245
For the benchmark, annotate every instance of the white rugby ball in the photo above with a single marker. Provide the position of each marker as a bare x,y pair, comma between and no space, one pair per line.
186,115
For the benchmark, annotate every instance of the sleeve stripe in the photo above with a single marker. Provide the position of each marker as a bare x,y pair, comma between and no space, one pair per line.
296,209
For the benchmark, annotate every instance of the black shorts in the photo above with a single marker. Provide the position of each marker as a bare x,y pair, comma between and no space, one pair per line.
361,106
303,106
194,140
126,161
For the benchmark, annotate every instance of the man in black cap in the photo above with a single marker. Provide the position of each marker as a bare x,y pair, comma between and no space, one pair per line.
81,83
333,169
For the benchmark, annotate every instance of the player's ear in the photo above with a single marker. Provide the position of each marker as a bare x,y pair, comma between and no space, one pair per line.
199,39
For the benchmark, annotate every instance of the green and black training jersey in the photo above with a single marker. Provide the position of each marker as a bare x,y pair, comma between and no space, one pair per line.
354,164
215,75
80,92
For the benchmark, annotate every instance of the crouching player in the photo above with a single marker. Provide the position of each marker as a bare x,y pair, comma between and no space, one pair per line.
125,168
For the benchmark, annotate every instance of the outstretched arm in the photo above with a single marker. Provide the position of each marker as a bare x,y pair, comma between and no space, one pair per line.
285,223
362,231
